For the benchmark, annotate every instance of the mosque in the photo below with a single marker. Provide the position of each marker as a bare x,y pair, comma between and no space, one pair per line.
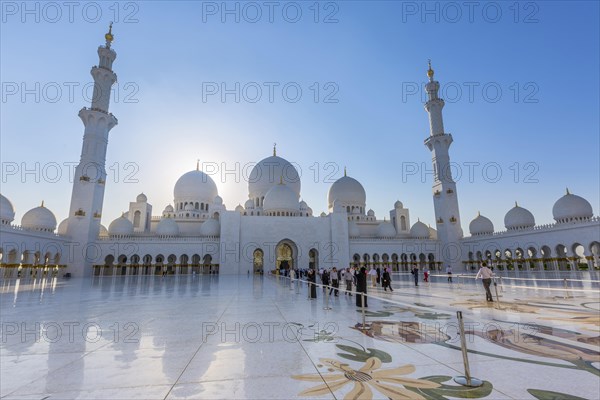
197,234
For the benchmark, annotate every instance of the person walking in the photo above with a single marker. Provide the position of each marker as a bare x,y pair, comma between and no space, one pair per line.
378,275
415,272
325,279
349,278
426,274
387,280
335,282
361,286
373,275
486,274
312,279
449,272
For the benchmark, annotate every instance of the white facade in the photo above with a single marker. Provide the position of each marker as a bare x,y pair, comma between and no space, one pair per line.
274,228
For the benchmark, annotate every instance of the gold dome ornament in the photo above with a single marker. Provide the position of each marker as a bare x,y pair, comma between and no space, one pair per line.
430,71
109,36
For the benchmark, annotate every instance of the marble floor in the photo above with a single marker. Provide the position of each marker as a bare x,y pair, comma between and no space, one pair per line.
246,337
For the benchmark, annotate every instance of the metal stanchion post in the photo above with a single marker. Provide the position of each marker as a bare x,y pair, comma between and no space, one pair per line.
326,299
466,380
501,285
496,290
566,296
362,301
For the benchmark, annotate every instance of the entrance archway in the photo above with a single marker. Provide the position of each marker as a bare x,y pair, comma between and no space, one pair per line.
285,256
258,258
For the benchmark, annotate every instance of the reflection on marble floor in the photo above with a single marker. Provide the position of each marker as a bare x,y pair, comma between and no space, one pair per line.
230,337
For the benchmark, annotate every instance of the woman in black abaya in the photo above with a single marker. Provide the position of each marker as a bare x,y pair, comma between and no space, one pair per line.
361,286
312,279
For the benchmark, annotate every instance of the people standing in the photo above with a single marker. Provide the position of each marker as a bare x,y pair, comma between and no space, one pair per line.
378,275
373,275
387,280
449,272
325,279
335,282
415,272
426,274
486,275
361,286
349,278
312,279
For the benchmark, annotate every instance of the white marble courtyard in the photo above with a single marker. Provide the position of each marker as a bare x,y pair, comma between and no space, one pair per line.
147,337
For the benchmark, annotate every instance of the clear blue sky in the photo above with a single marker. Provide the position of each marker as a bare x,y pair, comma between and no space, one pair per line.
542,56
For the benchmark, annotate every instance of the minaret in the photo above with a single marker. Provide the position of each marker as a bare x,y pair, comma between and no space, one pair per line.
90,175
445,198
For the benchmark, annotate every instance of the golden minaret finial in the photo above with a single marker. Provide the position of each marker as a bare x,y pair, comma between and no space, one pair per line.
42,203
109,36
568,191
479,213
345,171
198,165
430,70
516,205
274,149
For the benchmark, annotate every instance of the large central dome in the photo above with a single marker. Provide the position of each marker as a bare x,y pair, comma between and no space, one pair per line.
348,192
268,173
195,186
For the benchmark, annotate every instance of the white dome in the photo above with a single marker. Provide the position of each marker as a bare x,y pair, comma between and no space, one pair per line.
353,229
39,219
239,208
268,173
249,205
518,218
371,213
141,198
169,209
348,192
120,227
7,211
398,204
103,231
281,198
218,201
63,226
572,207
210,227
481,226
167,227
323,214
386,229
303,205
432,233
195,186
419,230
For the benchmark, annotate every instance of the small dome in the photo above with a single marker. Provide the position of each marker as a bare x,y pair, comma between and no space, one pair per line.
481,226
398,204
370,213
386,229
518,218
167,227
303,205
571,207
7,211
39,219
281,198
169,209
195,186
347,191
103,231
63,226
189,207
353,230
218,201
120,227
141,198
249,205
419,230
239,208
432,233
210,227
323,214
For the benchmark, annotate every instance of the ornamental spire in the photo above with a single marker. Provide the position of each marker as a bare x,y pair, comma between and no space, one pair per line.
109,36
274,149
345,171
430,70
198,165
568,191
